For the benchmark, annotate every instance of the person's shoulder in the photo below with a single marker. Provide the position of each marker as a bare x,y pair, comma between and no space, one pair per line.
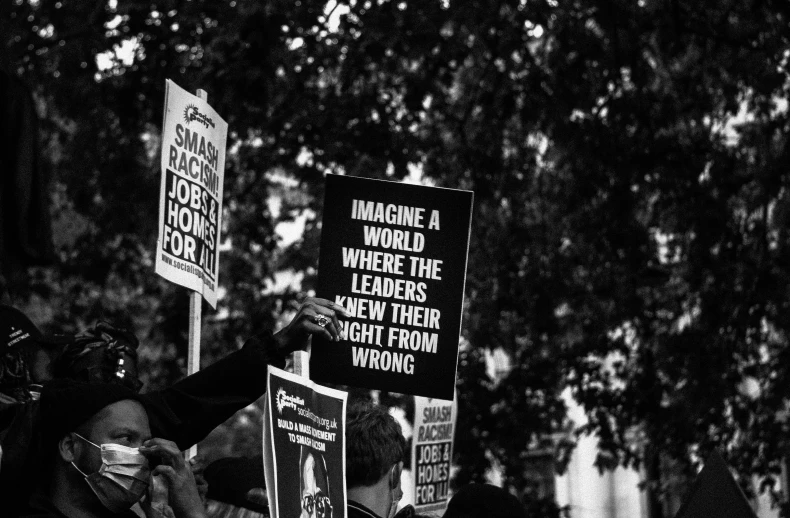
41,513
39,506
357,510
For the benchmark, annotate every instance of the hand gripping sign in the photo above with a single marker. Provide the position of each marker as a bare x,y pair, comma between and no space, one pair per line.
190,200
394,255
304,440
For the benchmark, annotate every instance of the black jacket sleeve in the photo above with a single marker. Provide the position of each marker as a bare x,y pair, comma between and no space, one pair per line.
21,456
189,410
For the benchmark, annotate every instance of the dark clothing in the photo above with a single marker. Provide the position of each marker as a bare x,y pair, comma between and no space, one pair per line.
21,444
25,225
357,510
184,413
189,410
42,507
232,479
484,501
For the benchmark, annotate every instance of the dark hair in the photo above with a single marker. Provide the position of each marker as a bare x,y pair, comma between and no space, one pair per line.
374,443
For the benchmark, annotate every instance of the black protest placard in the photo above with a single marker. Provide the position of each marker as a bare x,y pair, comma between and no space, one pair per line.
715,492
394,255
304,447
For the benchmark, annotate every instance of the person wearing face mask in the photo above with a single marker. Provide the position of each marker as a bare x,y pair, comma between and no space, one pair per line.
184,413
375,449
99,456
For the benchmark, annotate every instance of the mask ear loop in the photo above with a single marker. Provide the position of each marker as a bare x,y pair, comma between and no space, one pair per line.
78,469
395,480
86,440
89,442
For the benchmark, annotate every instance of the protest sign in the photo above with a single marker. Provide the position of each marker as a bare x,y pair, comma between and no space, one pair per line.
190,198
394,255
715,492
304,439
432,452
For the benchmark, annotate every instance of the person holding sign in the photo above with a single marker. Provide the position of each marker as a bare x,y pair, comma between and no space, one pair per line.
186,412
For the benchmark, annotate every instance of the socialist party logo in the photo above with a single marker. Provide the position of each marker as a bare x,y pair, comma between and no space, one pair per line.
191,113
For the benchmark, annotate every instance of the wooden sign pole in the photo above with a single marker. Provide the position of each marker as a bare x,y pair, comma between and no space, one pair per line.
195,310
302,364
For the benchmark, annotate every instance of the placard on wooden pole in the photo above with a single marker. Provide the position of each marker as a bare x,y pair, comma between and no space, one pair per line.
195,316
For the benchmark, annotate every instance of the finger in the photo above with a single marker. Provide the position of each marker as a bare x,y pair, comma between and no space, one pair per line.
312,313
338,327
334,329
157,454
332,305
167,452
160,447
334,324
328,324
166,471
162,442
332,315
197,463
324,331
158,495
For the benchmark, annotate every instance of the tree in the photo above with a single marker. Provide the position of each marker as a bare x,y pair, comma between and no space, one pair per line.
629,237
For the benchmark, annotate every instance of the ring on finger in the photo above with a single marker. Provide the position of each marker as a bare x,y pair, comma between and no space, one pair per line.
321,321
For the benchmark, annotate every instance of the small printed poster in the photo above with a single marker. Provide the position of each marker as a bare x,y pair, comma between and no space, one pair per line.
304,446
432,453
394,255
190,199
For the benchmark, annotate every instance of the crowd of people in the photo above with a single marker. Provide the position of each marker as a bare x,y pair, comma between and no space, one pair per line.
79,439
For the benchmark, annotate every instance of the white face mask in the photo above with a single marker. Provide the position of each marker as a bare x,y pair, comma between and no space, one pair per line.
123,477
396,494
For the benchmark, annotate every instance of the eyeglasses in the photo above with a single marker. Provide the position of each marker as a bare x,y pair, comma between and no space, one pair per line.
323,506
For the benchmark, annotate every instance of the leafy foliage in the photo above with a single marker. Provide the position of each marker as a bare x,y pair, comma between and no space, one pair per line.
628,162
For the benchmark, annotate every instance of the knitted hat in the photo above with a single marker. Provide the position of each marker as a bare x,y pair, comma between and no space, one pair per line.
484,500
66,404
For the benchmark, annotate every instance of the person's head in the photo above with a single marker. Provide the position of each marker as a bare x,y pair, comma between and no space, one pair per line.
91,435
26,354
100,354
316,500
375,449
484,501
